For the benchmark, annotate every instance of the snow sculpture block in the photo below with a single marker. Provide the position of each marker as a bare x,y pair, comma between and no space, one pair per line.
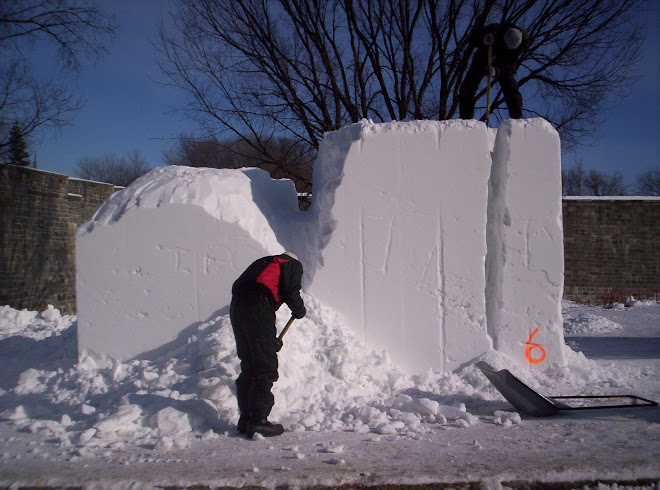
525,262
161,255
436,240
401,213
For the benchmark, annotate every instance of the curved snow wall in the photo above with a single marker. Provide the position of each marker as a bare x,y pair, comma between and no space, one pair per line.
436,240
161,255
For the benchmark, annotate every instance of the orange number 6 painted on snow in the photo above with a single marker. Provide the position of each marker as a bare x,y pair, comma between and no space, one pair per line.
530,347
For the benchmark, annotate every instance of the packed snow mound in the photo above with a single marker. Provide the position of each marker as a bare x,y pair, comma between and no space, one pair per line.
328,382
589,324
225,194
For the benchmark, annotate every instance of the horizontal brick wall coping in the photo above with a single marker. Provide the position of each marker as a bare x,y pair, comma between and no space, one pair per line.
611,198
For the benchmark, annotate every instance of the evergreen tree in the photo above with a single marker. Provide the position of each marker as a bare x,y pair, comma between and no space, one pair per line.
17,154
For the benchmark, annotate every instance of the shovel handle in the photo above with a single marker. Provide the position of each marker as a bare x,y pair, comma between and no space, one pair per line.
490,63
286,327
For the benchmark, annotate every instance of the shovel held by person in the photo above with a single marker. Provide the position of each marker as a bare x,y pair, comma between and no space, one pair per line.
286,327
497,52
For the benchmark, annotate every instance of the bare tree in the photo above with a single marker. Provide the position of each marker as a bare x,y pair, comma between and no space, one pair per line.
256,69
601,184
120,171
579,182
77,29
282,158
200,152
572,181
34,104
648,183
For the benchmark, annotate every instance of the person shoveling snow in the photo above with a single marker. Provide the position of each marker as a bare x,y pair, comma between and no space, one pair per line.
256,295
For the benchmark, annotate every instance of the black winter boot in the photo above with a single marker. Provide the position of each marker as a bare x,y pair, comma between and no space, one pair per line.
242,425
264,428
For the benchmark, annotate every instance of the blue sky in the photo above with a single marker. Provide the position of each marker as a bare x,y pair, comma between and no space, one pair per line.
630,135
127,111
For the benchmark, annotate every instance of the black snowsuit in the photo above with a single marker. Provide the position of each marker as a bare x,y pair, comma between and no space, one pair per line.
256,295
505,62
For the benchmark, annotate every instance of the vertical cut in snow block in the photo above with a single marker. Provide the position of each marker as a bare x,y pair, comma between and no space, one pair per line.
401,214
162,254
525,261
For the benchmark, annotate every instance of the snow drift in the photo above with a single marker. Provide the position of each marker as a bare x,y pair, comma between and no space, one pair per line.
397,239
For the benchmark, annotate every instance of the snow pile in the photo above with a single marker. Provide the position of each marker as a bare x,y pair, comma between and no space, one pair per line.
588,321
328,382
585,324
637,303
49,322
32,340
507,419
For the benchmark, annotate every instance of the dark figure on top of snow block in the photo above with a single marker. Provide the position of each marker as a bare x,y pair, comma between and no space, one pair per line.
256,295
508,41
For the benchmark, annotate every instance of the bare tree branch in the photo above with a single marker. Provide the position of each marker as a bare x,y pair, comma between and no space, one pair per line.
648,183
76,28
578,182
120,171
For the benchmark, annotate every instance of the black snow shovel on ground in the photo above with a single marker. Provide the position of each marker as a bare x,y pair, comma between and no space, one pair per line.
531,402
286,327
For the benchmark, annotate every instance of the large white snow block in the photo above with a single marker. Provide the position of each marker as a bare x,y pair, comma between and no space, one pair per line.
161,255
525,262
401,215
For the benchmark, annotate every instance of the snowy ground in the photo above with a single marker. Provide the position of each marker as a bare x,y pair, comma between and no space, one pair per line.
353,418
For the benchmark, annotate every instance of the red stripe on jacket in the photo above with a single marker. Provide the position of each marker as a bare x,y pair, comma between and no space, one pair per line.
270,277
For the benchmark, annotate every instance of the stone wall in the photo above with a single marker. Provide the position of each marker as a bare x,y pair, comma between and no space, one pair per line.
39,215
610,244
